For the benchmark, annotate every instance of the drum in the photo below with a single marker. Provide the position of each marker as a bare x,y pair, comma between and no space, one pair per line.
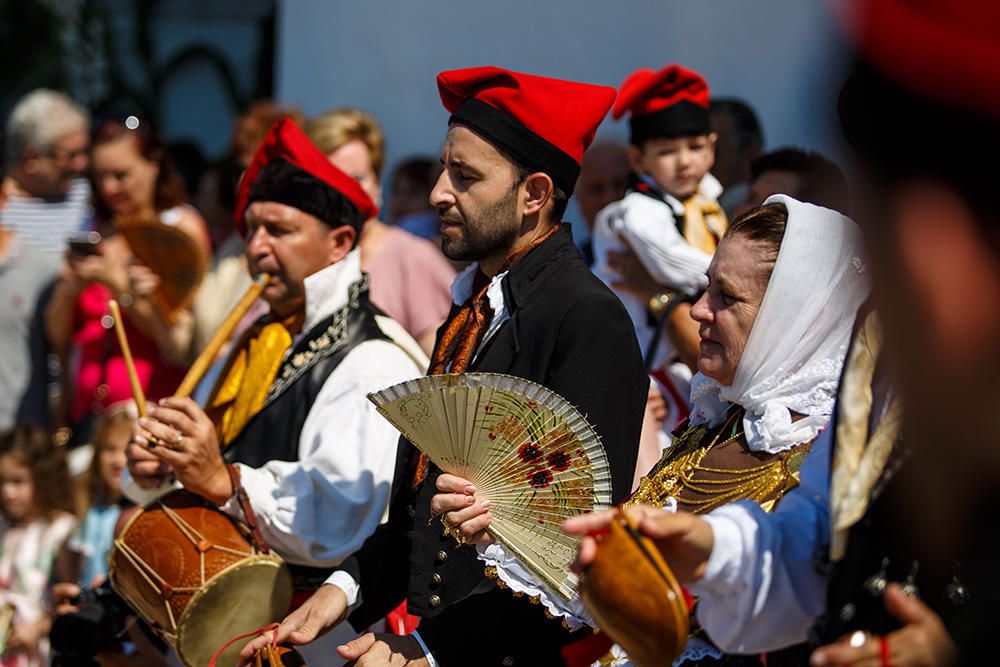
196,577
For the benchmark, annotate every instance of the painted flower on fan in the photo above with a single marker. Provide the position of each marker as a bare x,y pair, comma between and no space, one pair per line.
539,478
557,436
488,407
509,426
559,460
491,435
529,452
533,404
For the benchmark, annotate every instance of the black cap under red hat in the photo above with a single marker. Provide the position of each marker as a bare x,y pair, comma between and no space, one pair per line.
545,124
289,169
672,102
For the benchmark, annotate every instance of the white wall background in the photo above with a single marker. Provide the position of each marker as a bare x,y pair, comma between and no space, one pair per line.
785,57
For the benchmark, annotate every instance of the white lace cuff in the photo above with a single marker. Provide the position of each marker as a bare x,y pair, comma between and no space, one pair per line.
695,649
521,580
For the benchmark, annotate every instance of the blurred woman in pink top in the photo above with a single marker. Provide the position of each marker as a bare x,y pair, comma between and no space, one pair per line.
132,173
410,278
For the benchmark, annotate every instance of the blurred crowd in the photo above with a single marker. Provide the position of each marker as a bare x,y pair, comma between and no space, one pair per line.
95,210
86,210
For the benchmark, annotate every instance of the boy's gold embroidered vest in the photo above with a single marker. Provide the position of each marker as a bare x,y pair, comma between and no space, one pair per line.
704,222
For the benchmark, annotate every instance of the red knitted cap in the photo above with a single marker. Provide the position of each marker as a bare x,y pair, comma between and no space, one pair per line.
289,169
544,123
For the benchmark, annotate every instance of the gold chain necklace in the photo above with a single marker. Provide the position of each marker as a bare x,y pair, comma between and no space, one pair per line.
679,471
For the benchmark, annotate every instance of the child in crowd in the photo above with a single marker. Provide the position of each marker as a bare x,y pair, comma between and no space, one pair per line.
100,501
670,218
36,522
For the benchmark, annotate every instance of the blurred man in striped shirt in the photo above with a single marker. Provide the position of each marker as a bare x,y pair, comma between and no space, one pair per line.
45,154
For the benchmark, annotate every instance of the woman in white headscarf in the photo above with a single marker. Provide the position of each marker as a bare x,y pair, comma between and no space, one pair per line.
775,321
774,324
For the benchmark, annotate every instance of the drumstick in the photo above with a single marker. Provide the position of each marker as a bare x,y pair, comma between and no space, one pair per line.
219,338
133,377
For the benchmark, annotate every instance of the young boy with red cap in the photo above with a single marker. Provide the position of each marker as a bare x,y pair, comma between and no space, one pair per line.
670,217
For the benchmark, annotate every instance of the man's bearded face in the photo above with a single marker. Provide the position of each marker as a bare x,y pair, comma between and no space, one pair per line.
477,197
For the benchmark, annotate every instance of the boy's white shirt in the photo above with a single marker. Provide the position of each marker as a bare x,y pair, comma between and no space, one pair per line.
648,225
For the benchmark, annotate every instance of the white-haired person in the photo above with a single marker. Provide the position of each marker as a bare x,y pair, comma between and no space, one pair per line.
46,143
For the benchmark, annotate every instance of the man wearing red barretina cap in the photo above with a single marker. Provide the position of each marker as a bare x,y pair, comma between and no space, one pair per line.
529,307
288,420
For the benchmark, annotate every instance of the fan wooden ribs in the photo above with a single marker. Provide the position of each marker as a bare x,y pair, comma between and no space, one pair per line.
526,449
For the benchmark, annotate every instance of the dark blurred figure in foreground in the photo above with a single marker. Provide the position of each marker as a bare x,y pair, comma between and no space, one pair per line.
739,142
932,213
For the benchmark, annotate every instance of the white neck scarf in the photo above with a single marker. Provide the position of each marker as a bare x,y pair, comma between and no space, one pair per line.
795,351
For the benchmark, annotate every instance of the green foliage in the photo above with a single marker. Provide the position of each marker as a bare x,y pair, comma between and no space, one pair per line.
30,50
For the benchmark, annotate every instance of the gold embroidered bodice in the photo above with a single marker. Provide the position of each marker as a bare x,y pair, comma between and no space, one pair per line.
705,468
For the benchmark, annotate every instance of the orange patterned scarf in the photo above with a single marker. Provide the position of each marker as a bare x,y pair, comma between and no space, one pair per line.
464,332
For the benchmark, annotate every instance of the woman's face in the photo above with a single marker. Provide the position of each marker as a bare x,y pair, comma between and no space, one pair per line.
355,160
125,180
111,459
726,311
17,490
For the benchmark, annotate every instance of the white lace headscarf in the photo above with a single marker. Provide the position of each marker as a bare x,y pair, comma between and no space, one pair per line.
796,348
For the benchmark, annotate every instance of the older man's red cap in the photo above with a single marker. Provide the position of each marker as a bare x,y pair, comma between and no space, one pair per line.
672,102
289,169
545,124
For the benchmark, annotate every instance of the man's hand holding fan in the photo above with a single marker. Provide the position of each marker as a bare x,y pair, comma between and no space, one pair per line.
467,517
516,446
518,460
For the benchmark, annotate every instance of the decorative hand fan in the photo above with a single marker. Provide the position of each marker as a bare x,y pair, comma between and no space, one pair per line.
171,253
526,450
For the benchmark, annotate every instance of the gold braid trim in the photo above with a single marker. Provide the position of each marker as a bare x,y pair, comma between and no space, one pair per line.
681,469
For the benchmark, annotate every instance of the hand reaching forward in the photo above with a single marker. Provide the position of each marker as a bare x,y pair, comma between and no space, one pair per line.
321,612
381,650
923,640
684,540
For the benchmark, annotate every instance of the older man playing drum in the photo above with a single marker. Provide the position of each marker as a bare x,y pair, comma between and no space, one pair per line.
288,420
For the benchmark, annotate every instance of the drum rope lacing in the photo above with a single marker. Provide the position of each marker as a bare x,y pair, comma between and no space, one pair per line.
259,632
201,545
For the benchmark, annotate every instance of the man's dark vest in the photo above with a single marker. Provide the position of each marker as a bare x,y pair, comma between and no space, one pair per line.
273,433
